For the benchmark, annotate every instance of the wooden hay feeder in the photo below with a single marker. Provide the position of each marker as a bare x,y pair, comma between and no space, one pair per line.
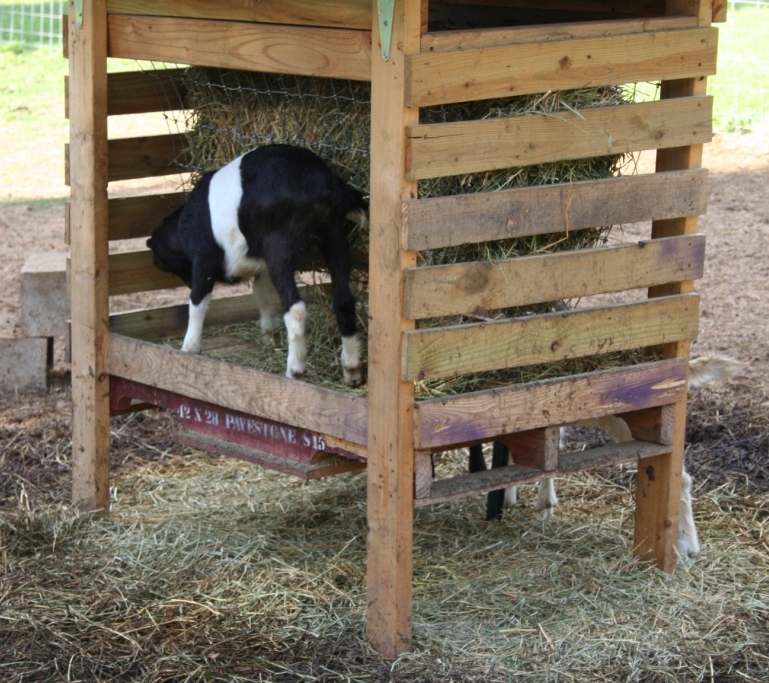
293,425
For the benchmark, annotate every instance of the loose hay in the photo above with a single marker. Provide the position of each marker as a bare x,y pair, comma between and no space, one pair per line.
213,570
233,111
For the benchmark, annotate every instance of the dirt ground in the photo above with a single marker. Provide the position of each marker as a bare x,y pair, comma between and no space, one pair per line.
727,424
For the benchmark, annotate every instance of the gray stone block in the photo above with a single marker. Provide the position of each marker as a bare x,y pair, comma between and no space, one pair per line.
23,364
45,307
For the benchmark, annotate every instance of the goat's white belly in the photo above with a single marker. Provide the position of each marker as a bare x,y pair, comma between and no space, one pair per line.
224,195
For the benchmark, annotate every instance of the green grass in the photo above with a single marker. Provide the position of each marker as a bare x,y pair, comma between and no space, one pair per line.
741,87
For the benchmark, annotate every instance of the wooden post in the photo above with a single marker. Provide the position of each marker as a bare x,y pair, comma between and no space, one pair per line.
89,248
658,495
391,400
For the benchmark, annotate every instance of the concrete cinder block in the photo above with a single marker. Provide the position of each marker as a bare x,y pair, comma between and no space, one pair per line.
23,364
45,307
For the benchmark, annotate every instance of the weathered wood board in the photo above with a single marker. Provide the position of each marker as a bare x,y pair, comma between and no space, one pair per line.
549,338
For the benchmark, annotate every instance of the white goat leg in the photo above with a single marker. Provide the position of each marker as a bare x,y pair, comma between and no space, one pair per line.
688,540
351,365
546,498
295,321
268,303
193,339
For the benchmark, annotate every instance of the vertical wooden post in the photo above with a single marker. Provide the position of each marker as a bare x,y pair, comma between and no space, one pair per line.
89,249
391,400
658,496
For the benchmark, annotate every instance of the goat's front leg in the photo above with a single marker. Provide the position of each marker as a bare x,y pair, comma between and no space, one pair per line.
197,315
688,539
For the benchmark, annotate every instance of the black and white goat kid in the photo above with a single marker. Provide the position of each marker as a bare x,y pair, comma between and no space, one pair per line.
259,216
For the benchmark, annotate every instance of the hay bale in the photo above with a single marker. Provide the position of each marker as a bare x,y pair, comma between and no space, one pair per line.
233,111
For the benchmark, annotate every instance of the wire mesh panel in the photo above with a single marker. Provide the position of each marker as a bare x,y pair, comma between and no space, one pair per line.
31,23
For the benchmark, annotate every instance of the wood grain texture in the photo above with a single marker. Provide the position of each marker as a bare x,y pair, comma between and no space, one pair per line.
147,157
453,351
243,389
89,251
481,416
522,69
131,217
449,221
444,490
133,271
467,288
444,149
439,41
305,51
390,415
336,13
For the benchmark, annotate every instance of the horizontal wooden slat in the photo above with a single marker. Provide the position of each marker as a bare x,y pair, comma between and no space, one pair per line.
146,157
131,217
443,149
483,415
257,393
172,320
339,13
139,92
453,351
444,490
521,69
490,37
133,271
449,221
333,53
484,286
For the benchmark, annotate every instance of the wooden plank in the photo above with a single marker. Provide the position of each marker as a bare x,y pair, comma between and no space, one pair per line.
658,493
249,391
131,217
304,51
537,448
453,351
333,13
133,271
449,221
89,249
139,92
390,409
147,157
503,71
444,149
169,320
441,41
445,490
644,8
467,288
484,415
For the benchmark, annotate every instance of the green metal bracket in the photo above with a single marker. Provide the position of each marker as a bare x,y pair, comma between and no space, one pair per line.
79,13
386,11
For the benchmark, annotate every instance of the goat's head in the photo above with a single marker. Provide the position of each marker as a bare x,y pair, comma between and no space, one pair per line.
168,253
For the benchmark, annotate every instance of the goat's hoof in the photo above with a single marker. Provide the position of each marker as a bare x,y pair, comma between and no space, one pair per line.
686,549
353,377
191,348
295,373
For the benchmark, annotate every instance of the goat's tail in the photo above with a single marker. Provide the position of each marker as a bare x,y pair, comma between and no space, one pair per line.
712,368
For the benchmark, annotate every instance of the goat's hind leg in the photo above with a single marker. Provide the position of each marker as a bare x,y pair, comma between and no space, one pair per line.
337,255
268,303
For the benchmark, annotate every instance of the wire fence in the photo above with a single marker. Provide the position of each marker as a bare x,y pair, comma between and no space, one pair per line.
740,87
31,24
